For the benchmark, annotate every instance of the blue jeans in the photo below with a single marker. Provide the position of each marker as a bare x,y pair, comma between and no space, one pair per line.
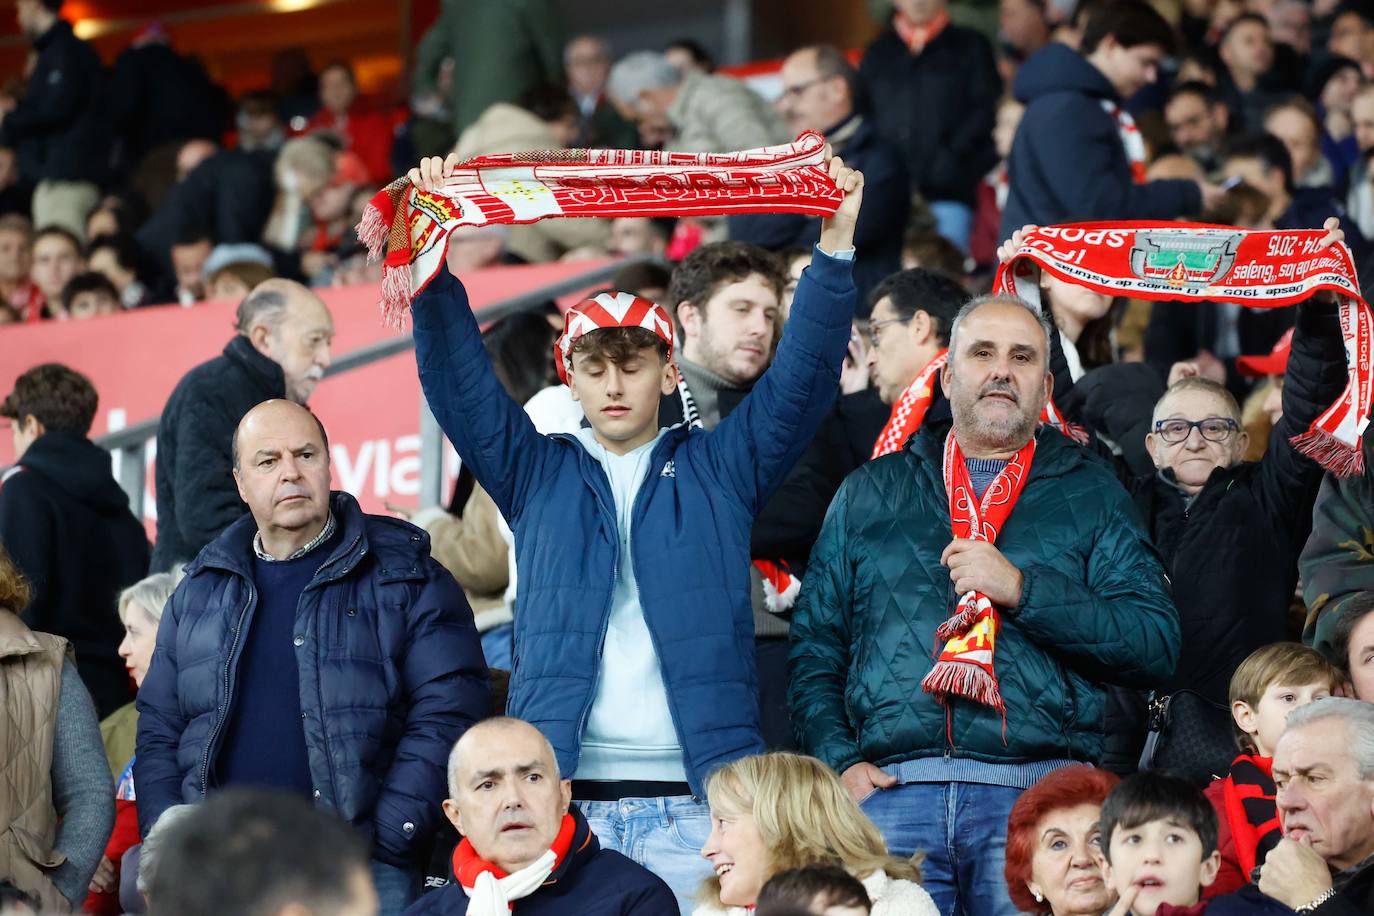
496,646
954,221
962,828
665,835
397,888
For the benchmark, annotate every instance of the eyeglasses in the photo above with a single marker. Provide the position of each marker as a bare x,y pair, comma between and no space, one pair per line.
874,327
1213,429
790,92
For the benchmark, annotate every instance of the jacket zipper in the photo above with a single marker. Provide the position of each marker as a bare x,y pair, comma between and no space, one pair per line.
324,731
224,710
605,618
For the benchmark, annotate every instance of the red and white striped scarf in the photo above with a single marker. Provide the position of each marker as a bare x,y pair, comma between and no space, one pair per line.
413,226
910,409
1188,262
1130,139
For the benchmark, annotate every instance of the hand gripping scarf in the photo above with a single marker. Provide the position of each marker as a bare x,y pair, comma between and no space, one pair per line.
492,892
412,226
1196,263
964,668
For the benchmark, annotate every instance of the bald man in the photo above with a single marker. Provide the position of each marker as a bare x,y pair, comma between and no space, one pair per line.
316,650
281,350
525,843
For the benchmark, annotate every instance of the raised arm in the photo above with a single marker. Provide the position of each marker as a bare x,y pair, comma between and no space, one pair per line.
756,445
492,433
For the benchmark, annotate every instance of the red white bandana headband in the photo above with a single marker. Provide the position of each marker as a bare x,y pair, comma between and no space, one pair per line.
609,310
412,227
1190,262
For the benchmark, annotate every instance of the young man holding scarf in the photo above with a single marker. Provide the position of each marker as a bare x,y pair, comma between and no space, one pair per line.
634,634
968,597
525,846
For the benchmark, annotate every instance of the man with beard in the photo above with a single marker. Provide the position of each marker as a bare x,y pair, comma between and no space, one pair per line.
1047,591
1197,123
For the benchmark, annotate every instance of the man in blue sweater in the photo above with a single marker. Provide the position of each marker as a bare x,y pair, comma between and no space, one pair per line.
633,625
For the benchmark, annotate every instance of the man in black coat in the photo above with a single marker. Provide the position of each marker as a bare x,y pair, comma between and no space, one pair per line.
281,351
68,527
1077,155
933,89
1229,531
821,93
60,127
526,847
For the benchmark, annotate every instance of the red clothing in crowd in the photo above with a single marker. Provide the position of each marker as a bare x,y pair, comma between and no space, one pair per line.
367,133
1247,821
124,838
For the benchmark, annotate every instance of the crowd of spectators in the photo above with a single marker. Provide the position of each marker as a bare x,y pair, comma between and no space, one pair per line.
670,646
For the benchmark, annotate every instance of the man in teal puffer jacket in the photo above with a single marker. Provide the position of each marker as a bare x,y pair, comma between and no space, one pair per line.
1082,597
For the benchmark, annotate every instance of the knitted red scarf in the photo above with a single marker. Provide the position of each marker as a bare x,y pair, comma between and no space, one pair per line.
1251,811
412,226
467,864
910,409
1196,263
965,665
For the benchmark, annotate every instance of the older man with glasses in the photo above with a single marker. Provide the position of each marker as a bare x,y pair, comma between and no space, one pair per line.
1229,530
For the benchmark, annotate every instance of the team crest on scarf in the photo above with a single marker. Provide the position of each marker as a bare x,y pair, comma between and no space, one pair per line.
964,668
1182,257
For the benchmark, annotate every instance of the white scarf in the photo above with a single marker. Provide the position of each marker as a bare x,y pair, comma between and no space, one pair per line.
492,896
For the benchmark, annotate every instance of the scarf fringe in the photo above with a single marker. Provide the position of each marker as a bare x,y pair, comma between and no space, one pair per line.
395,295
372,232
1330,452
959,624
963,679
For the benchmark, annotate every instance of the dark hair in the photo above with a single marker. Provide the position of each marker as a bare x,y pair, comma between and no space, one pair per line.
548,103
801,887
1154,796
642,275
919,290
1132,23
1095,344
831,62
1207,93
1360,607
935,252
127,252
192,234
616,345
343,65
253,851
14,588
259,102
1303,107
90,281
1364,10
518,346
59,232
697,51
1241,20
1064,788
62,399
703,272
1267,148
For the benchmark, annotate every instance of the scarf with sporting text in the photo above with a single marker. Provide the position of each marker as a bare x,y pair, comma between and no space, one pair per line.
964,668
412,226
1188,262
493,892
1251,811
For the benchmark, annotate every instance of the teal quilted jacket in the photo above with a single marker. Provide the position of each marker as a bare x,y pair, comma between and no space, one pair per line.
1095,609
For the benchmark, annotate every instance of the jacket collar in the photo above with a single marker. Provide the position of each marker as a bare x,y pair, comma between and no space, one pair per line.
1055,453
54,33
265,372
232,551
583,849
16,639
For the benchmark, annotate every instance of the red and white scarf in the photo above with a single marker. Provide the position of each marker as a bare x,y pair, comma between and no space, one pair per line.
1197,263
964,669
1130,139
412,226
491,891
910,409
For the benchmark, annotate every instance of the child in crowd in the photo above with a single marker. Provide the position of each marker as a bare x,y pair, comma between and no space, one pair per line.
1266,687
1159,842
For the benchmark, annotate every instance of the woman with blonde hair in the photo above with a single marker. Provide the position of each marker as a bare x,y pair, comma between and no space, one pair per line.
776,812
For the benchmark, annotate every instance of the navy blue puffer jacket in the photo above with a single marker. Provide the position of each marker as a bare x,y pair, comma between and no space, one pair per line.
690,529
391,674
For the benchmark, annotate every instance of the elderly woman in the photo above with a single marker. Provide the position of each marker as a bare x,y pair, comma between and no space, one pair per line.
776,812
140,610
1053,844
56,808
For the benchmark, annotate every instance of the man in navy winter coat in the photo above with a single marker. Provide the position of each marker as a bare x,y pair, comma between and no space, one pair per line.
1077,155
513,810
313,649
634,637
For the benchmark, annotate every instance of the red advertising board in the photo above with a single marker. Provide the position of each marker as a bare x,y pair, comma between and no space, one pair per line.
372,413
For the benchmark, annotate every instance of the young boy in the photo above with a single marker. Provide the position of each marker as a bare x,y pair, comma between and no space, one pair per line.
634,642
1159,845
1266,687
